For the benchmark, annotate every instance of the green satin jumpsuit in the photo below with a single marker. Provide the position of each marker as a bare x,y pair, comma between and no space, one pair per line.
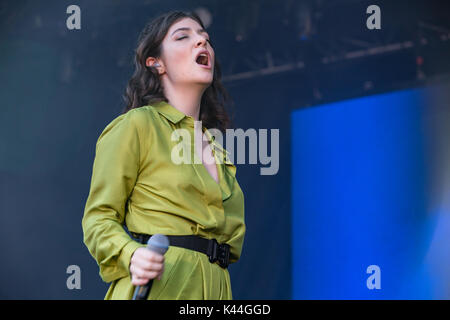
135,183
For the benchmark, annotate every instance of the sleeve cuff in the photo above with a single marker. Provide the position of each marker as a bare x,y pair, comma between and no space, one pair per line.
127,252
122,268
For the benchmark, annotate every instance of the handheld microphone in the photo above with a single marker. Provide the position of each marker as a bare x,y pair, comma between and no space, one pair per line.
157,243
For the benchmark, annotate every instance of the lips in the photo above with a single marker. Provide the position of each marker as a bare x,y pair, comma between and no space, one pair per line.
203,59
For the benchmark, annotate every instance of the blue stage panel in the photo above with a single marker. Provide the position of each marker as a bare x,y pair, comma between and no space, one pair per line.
359,198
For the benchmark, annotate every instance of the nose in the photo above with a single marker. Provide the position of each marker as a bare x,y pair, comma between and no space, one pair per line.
201,41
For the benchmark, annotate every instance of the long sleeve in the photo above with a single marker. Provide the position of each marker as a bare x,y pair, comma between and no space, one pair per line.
237,237
114,174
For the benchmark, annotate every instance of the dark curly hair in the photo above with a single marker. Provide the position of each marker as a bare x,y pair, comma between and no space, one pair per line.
145,87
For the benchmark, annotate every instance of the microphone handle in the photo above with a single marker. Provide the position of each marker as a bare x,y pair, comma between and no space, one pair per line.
158,243
141,292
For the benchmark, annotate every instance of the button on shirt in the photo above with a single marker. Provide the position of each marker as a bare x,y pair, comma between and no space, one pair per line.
136,182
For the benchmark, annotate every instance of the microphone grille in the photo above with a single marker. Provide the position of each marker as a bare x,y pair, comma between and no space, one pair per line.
158,243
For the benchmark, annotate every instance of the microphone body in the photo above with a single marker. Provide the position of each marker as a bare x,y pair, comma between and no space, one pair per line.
157,243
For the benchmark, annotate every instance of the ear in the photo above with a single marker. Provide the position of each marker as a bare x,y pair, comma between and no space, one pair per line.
152,62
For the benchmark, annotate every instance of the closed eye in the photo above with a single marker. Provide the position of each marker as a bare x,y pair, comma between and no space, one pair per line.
187,36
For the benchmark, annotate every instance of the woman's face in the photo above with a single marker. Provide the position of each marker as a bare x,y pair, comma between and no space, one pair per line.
180,49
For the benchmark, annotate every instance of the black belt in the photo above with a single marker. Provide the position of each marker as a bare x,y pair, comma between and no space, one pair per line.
215,251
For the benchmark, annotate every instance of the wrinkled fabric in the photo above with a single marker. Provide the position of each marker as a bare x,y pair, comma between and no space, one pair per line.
188,275
135,183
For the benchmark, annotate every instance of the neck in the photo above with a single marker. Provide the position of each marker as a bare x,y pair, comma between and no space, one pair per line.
185,98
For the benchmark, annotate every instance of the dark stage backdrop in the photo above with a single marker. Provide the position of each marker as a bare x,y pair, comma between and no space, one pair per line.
59,90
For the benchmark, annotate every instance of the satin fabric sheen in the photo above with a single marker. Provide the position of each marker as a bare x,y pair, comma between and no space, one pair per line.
135,183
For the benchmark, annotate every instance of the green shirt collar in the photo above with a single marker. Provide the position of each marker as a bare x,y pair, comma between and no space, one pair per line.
169,111
175,116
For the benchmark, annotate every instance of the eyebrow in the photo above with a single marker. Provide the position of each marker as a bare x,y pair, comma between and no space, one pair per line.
188,29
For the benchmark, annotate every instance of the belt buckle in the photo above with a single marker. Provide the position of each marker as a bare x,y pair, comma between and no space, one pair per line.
224,255
219,252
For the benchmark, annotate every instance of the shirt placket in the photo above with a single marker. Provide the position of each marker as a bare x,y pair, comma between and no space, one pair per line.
212,192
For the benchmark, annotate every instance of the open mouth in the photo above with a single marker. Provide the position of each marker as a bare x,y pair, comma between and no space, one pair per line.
203,59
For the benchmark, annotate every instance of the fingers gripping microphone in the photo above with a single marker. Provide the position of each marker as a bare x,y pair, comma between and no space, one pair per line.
157,243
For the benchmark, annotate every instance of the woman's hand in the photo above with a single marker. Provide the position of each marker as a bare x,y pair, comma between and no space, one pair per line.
145,265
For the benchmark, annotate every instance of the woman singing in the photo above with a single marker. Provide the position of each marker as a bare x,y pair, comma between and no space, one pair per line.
137,184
